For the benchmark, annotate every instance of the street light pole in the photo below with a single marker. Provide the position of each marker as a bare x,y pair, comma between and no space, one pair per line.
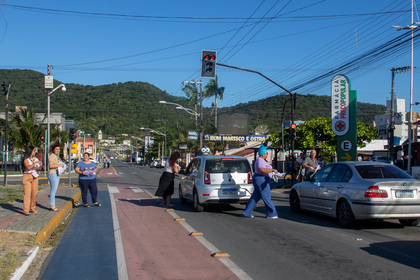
412,26
63,88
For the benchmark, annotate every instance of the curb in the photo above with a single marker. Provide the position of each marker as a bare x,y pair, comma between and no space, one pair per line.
45,232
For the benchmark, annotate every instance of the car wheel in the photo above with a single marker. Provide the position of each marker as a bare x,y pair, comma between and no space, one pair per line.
197,206
344,214
294,201
182,199
409,222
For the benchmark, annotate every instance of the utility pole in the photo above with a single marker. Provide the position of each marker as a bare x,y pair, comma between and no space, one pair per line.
201,109
391,126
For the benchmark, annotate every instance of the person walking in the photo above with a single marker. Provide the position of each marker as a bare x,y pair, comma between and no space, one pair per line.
30,164
53,177
261,182
166,181
87,180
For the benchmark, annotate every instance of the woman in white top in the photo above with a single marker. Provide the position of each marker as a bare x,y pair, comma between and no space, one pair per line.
166,181
30,164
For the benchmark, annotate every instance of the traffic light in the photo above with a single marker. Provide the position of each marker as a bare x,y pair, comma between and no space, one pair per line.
42,139
293,131
208,64
73,135
10,146
292,134
4,88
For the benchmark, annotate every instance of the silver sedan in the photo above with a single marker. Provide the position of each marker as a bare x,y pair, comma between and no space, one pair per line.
363,190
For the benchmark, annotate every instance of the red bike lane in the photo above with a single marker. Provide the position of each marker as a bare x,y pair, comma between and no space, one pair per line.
156,246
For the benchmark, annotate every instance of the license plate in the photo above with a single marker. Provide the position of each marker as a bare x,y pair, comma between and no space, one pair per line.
234,192
404,194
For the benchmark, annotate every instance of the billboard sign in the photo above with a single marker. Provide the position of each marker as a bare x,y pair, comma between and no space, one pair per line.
232,124
193,135
340,119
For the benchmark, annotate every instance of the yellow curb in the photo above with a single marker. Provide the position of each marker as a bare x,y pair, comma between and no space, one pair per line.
179,219
168,210
45,233
195,233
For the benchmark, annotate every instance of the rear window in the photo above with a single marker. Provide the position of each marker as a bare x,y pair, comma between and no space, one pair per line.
227,165
381,171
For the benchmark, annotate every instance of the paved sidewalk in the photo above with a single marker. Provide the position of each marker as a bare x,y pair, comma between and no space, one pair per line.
43,223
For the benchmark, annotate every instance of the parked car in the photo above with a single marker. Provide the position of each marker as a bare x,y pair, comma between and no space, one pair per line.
360,190
154,163
216,180
380,159
163,162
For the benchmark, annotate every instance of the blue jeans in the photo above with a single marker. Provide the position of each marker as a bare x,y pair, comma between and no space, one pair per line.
54,181
261,190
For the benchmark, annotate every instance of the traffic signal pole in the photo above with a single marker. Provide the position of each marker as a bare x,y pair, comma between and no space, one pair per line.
293,105
6,90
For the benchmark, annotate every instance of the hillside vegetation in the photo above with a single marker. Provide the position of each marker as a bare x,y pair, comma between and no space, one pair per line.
125,107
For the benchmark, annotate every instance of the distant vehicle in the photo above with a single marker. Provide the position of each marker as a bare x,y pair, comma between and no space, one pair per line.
360,190
163,162
216,180
94,160
154,163
380,159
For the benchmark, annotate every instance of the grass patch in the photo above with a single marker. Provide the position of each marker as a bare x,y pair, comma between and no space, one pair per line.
10,194
14,248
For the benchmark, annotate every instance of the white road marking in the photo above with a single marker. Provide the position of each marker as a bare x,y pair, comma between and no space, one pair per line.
121,264
136,189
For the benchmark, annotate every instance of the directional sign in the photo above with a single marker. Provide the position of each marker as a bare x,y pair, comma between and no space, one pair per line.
346,157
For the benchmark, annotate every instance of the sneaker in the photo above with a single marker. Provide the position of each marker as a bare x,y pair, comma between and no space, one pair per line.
252,216
273,218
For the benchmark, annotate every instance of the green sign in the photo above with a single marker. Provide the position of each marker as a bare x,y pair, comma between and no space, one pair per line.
343,117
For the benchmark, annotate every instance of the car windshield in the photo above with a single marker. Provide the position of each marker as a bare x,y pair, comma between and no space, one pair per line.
227,165
381,171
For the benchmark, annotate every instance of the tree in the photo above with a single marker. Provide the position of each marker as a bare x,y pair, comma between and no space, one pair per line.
193,95
317,133
213,89
26,130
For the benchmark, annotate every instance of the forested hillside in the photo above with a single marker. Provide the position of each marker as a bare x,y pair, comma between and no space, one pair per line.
125,107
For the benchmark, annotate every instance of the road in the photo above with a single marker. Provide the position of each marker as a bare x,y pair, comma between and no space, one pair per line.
295,246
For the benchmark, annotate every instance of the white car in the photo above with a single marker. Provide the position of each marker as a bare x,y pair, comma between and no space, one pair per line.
360,190
216,180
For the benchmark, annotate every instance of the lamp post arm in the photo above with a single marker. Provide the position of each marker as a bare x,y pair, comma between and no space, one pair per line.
253,71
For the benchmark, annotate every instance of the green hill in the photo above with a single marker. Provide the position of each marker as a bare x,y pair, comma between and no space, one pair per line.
125,107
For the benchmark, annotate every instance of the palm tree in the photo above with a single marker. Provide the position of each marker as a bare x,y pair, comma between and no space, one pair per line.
213,89
192,93
27,130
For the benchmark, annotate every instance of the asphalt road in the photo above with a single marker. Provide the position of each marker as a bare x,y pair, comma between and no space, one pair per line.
298,246
295,246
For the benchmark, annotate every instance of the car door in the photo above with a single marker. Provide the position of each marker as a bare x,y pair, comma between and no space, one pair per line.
332,188
310,192
190,177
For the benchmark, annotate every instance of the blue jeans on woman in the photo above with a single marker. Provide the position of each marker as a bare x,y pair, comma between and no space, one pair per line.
261,190
54,181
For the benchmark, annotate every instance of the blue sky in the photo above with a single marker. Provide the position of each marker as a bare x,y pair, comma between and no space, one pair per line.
102,42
